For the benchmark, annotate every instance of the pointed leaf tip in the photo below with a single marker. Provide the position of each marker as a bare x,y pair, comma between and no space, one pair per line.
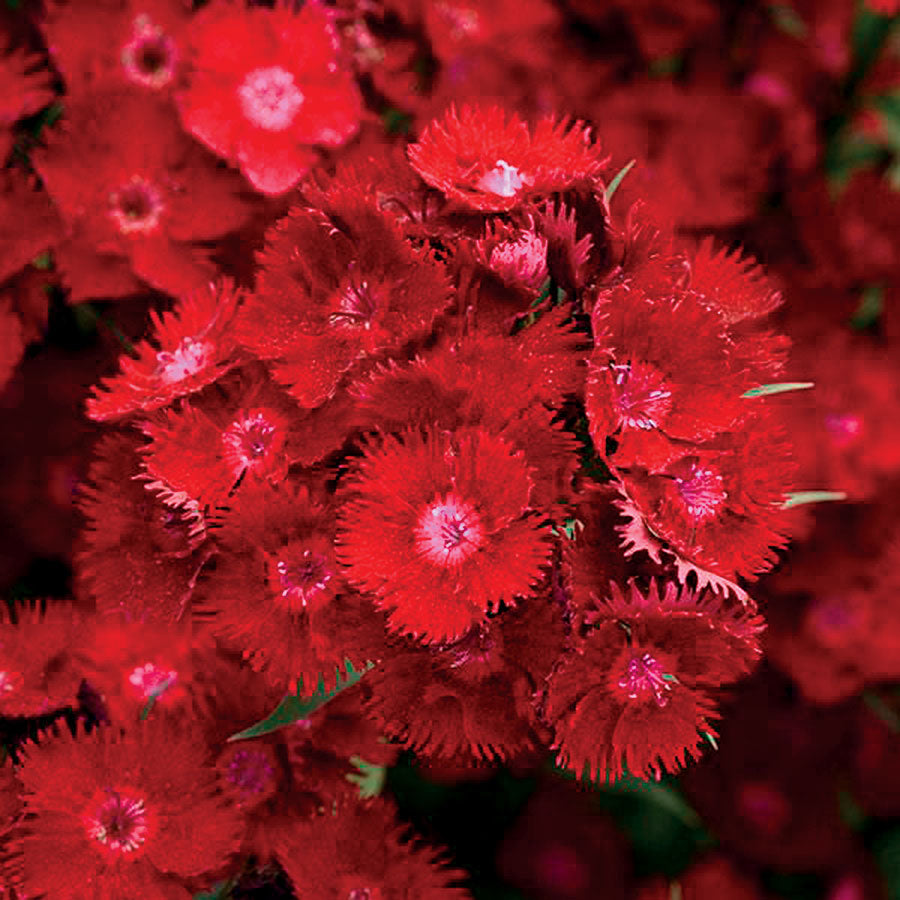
613,186
782,387
801,498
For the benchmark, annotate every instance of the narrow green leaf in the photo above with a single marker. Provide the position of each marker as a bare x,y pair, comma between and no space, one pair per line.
296,706
712,740
613,186
156,692
764,390
880,708
370,780
801,498
787,19
43,260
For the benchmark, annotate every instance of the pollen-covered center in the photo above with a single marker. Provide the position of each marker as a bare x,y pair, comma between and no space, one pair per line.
503,180
301,575
250,771
136,206
150,680
641,396
269,98
149,57
644,678
248,441
702,492
119,823
449,531
188,358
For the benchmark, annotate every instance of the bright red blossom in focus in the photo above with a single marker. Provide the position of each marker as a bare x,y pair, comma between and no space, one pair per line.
265,87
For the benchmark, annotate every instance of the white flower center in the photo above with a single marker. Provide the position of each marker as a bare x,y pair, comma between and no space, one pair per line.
269,98
503,180
149,57
188,358
136,206
449,531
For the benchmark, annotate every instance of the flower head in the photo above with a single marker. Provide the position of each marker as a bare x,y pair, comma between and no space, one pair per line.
437,527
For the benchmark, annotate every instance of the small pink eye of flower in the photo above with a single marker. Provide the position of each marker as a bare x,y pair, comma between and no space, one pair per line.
188,358
149,680
250,771
643,677
120,823
835,620
702,492
523,260
248,440
358,302
642,398
844,429
462,21
764,805
9,682
360,894
269,98
302,576
136,206
149,57
449,531
503,180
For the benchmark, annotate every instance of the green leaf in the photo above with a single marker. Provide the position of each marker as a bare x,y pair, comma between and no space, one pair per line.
220,891
764,390
871,304
613,186
296,706
850,811
887,854
801,498
156,692
788,20
370,780
886,713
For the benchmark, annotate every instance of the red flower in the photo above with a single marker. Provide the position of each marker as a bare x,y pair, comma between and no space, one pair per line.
362,852
334,288
715,877
12,341
123,42
662,376
483,161
471,699
29,223
718,508
634,696
266,85
27,88
122,816
438,528
141,191
277,593
196,346
142,554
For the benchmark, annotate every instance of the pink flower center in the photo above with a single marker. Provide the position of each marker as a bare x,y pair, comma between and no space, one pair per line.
642,398
188,358
269,98
358,303
250,771
149,57
644,677
149,680
503,180
563,871
9,682
449,531
247,441
765,806
303,576
120,824
836,620
360,894
702,492
522,261
844,429
136,206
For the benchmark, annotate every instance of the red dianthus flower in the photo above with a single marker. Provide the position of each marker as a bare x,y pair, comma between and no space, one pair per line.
438,528
484,161
267,85
112,817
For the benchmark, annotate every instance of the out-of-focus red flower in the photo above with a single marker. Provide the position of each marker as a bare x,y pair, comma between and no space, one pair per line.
12,341
266,86
486,160
470,699
122,816
440,529
122,42
359,850
29,223
634,695
194,345
715,876
27,88
336,288
131,185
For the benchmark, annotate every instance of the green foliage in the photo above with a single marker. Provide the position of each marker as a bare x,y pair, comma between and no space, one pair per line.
801,498
764,390
297,706
370,780
871,304
613,186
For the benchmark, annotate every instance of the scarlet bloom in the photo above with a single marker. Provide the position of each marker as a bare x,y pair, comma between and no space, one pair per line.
335,287
139,191
122,816
361,851
483,161
194,346
27,88
439,528
634,695
266,86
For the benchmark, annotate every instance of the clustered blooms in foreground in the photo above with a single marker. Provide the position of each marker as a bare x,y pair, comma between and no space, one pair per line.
479,441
